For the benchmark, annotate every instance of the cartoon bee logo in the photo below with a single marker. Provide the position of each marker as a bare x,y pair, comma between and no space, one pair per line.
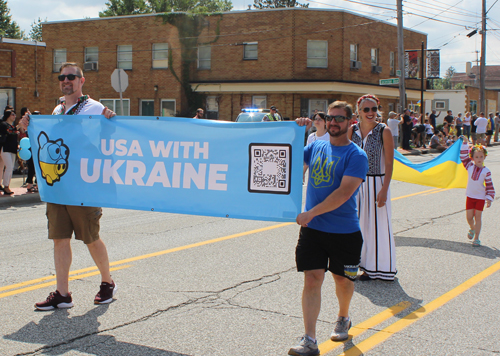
52,158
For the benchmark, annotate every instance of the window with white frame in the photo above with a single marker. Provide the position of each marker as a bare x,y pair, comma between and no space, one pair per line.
114,104
124,57
168,107
204,57
250,50
160,55
59,59
147,107
354,52
374,56
391,63
212,111
259,101
317,54
91,54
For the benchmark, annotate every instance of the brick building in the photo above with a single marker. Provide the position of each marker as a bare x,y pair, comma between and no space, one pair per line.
296,59
22,74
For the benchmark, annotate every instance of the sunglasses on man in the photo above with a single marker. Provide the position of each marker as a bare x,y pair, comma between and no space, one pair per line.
70,77
338,118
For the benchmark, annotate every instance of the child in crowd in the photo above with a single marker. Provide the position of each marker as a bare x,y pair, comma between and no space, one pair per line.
479,187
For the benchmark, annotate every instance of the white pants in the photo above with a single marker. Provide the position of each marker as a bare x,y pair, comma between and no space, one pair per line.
7,162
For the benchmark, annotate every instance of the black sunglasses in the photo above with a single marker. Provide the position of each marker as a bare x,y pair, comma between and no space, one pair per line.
70,77
337,118
374,109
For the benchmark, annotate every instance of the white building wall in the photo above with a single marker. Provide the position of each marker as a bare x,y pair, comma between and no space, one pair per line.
453,100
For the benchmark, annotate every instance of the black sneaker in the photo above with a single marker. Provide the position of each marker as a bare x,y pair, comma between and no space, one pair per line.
106,293
55,300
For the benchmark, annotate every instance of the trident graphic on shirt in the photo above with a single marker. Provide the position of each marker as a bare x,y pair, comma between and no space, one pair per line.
322,171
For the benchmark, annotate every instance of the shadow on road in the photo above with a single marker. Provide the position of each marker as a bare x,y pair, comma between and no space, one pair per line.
464,247
60,332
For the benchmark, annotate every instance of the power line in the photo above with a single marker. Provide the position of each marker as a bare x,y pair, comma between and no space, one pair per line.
439,13
436,7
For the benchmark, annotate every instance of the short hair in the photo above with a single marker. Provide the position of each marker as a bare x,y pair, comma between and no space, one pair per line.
199,109
342,105
482,114
72,64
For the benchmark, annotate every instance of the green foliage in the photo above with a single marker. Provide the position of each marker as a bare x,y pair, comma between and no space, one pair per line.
274,4
125,7
459,86
445,83
8,28
35,33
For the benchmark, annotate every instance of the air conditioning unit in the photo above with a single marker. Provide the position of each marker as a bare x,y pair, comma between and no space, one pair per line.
355,65
90,66
376,69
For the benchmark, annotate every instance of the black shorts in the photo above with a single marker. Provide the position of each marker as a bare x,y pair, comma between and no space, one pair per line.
338,253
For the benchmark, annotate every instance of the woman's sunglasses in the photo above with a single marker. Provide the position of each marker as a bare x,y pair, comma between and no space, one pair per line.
337,118
70,77
374,109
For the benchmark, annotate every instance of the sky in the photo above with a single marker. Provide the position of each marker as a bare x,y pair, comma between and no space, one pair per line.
451,21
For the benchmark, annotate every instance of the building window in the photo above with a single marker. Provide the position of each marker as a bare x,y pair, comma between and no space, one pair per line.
391,63
91,58
374,56
59,59
204,57
317,104
259,101
391,107
114,104
317,54
160,55
212,108
354,52
124,57
473,106
250,50
7,98
147,107
168,107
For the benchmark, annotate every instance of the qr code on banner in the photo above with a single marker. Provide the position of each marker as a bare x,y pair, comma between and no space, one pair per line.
270,168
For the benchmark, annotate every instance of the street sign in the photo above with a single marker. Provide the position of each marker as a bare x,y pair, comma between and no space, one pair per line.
398,73
119,82
389,81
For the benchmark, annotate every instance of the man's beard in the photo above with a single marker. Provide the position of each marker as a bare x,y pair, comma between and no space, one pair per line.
68,90
340,132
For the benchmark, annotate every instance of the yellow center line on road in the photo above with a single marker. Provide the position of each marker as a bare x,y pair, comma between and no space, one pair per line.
435,190
38,286
438,191
127,260
381,336
359,329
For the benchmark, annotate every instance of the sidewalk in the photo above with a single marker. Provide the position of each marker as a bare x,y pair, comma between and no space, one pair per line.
22,197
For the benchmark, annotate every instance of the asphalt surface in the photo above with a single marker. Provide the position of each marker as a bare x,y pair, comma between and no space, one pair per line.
190,285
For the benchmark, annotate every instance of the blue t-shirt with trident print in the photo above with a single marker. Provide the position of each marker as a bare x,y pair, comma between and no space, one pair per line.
328,164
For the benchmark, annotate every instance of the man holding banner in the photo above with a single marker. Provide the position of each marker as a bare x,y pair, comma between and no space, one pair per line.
330,236
63,220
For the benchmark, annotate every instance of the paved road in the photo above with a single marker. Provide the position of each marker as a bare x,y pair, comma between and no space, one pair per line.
193,285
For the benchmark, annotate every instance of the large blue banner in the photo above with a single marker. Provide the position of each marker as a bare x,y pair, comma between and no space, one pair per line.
168,164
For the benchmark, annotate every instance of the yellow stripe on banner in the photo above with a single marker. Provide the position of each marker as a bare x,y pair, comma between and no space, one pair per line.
445,175
359,329
418,314
38,286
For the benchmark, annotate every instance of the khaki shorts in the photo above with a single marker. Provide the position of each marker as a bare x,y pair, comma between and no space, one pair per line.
480,136
66,219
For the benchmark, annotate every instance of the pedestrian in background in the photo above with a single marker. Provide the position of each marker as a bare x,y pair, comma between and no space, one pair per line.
490,128
481,124
272,115
200,114
459,124
467,125
393,122
497,127
378,255
9,146
406,126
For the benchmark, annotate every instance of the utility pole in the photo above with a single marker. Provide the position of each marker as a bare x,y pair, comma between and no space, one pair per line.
482,68
422,78
401,58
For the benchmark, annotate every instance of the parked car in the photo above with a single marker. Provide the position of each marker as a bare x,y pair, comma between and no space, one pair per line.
252,115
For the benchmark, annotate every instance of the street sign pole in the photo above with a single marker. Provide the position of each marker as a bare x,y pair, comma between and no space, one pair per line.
121,95
119,82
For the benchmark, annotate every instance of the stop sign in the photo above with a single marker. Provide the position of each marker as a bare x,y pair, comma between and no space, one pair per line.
119,80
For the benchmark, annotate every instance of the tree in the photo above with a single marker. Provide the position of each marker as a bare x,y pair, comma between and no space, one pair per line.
8,28
444,83
125,7
274,4
35,33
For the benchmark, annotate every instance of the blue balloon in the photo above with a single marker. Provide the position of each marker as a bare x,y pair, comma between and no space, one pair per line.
25,143
24,154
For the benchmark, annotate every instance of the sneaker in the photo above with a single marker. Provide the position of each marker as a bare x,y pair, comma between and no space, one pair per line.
341,329
306,347
55,300
106,293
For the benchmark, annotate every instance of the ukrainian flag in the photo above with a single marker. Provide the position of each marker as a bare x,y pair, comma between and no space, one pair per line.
444,171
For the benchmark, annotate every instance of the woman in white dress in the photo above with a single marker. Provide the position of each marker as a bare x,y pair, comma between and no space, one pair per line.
378,255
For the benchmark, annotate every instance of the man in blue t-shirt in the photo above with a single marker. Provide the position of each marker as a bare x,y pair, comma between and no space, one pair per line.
330,237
